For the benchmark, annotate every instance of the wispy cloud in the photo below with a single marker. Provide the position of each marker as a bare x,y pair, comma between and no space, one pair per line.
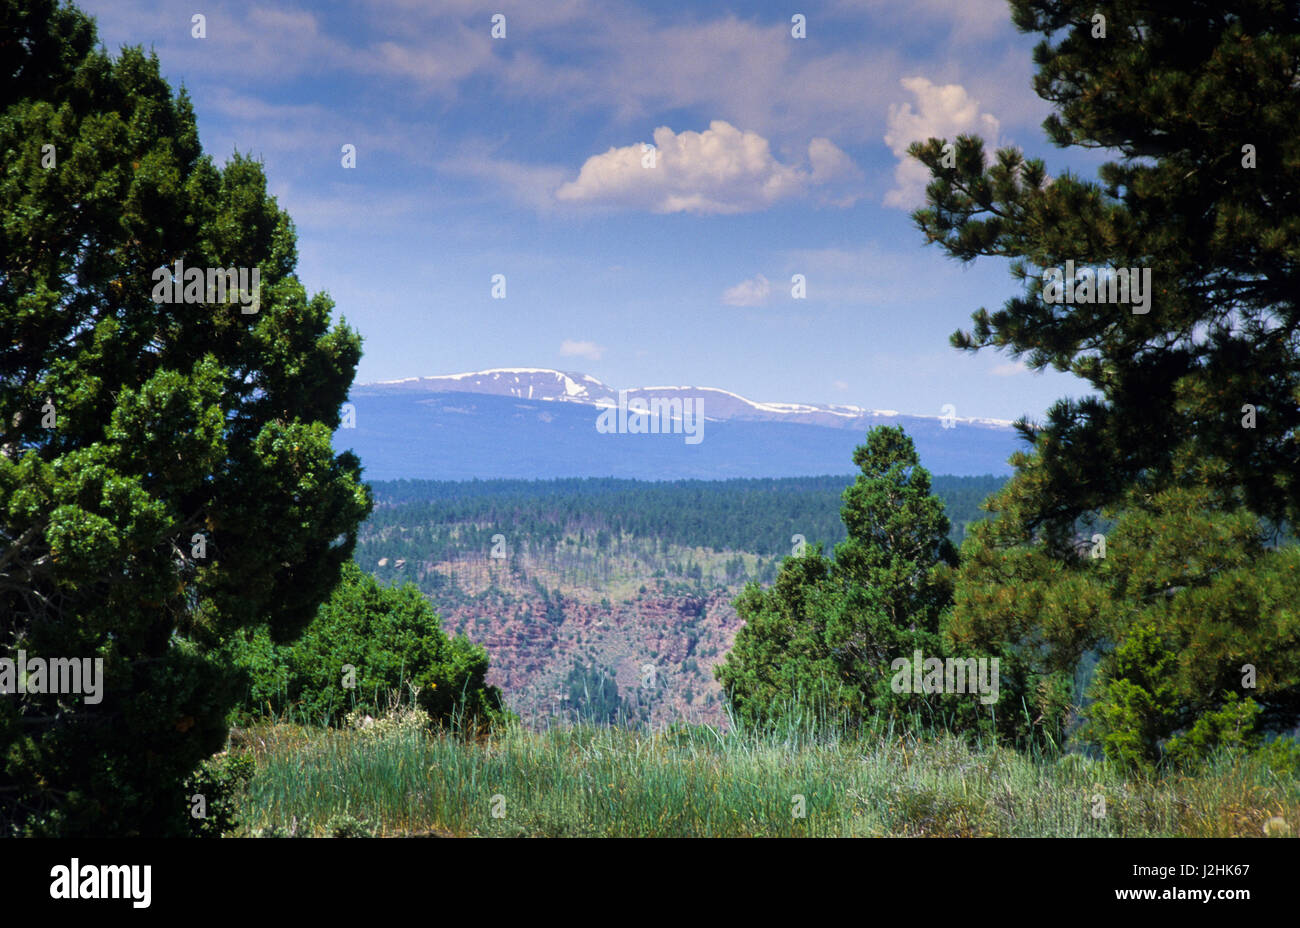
1010,369
752,292
576,349
532,185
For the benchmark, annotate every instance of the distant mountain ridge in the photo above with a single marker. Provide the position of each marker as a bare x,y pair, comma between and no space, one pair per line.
548,385
539,423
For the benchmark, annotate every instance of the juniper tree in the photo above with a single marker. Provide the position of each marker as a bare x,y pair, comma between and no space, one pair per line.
1199,394
827,632
166,469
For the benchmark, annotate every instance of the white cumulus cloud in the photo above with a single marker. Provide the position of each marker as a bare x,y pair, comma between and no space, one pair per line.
943,112
719,170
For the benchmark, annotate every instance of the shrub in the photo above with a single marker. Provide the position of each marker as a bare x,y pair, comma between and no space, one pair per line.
222,781
366,642
346,826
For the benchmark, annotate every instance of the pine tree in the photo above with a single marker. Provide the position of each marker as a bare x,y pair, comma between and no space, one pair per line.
1194,435
1202,102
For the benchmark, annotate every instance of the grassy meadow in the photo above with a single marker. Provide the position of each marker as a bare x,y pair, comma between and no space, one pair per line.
399,778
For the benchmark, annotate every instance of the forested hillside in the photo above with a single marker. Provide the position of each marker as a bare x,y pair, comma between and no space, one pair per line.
759,516
592,580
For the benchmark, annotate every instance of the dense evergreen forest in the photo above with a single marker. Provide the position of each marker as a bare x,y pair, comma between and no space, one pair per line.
760,516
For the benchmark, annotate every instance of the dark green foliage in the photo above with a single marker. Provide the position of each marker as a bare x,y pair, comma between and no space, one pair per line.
754,515
828,631
1193,586
393,640
1192,595
170,420
780,655
222,781
1176,88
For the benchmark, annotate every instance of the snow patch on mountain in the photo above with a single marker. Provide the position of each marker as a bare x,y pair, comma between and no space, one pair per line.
547,384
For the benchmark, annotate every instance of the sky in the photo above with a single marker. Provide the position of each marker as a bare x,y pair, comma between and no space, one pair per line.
525,156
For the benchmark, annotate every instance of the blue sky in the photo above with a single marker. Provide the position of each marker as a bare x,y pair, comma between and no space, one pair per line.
522,156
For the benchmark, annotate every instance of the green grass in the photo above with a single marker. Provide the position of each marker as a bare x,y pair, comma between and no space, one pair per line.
588,781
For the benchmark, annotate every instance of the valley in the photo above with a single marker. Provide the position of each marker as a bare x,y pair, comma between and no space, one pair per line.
606,598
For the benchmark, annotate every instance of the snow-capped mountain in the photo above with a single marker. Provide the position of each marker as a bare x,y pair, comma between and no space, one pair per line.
525,383
542,423
546,385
